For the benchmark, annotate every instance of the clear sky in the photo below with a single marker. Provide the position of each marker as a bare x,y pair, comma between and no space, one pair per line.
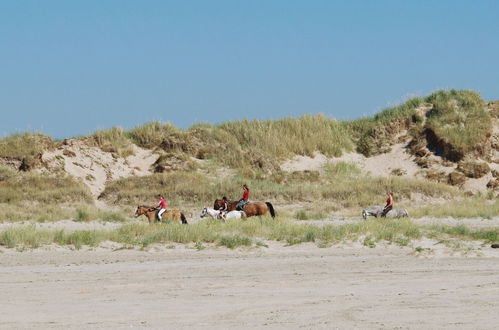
68,68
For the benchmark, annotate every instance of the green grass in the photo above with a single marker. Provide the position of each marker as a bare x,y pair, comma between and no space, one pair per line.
245,233
372,134
232,234
25,145
16,187
475,207
460,120
113,140
489,235
37,196
340,186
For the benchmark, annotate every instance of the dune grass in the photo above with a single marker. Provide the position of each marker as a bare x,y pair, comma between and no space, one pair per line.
16,187
459,118
474,207
244,233
113,140
38,196
339,185
371,134
232,234
19,146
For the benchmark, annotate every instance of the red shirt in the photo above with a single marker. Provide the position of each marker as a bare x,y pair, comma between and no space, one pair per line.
246,195
162,203
389,201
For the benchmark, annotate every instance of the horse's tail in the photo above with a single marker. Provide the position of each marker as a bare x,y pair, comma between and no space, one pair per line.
182,217
271,209
406,213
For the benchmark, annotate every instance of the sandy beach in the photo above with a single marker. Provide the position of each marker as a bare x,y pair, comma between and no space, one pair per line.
274,287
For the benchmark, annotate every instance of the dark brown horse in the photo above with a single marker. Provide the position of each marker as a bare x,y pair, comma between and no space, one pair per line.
251,209
151,213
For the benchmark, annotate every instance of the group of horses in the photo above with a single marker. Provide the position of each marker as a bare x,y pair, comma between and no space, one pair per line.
249,210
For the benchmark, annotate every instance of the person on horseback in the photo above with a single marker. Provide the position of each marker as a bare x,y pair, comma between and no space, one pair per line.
245,200
161,205
389,204
224,208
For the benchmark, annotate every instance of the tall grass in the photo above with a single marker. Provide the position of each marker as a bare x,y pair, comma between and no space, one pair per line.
339,186
244,233
459,118
152,134
474,207
16,187
24,145
290,136
38,196
370,134
113,140
231,234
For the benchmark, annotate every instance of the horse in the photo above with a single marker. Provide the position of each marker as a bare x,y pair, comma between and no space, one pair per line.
214,214
377,210
250,209
151,213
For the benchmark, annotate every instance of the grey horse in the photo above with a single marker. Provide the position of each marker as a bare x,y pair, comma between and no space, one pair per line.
377,210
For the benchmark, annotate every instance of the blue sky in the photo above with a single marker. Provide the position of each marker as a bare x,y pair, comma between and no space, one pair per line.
68,68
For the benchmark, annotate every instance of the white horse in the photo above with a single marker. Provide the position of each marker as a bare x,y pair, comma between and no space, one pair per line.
214,214
377,210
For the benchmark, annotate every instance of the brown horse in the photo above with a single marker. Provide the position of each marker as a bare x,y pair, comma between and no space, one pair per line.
151,213
251,209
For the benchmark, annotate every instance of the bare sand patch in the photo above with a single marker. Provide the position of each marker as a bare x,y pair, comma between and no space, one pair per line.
380,165
277,288
95,167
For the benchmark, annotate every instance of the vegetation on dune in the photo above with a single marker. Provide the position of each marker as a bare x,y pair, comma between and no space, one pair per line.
244,233
31,195
373,135
454,123
248,143
113,140
475,207
340,185
208,161
17,187
25,149
458,123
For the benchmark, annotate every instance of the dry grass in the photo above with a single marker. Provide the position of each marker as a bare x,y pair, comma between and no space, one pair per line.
24,145
459,120
31,195
244,233
474,207
113,140
337,187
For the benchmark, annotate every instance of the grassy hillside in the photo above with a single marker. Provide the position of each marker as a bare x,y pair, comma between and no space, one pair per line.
214,160
456,120
31,195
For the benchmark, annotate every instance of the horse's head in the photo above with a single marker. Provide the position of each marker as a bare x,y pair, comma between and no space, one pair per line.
141,209
218,204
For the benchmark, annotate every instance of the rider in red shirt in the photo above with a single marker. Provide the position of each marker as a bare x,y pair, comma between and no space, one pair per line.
389,204
245,200
162,206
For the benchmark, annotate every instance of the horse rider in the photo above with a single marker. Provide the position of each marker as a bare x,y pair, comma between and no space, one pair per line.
161,205
389,204
224,208
245,200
